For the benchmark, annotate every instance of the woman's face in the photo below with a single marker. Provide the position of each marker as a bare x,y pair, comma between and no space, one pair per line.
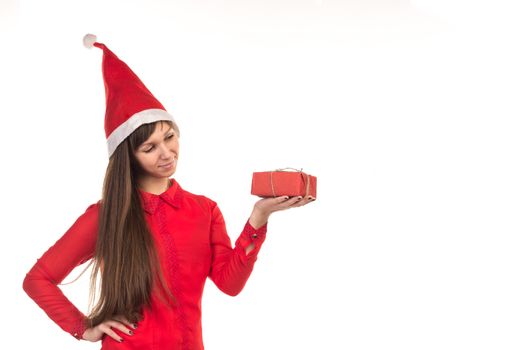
159,153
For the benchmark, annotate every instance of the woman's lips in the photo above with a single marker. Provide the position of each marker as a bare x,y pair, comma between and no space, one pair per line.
167,166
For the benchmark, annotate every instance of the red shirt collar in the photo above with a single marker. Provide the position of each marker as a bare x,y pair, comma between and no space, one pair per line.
172,196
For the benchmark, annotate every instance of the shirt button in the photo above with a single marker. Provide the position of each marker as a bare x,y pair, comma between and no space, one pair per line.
254,235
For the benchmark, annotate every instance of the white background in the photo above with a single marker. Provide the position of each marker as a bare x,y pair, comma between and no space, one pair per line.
410,113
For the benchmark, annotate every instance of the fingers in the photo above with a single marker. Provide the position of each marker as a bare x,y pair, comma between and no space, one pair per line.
126,322
108,326
299,201
105,327
284,202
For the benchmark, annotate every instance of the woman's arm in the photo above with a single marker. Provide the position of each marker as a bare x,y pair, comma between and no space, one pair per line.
231,267
75,247
257,219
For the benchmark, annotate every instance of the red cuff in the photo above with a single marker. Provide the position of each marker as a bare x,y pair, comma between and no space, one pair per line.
251,230
248,236
79,330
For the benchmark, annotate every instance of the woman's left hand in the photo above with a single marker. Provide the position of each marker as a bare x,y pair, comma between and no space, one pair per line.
263,208
266,206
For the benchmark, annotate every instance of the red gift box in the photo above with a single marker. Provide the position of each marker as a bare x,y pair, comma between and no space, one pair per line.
284,183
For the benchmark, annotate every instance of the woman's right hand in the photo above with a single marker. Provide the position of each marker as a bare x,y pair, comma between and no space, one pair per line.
106,328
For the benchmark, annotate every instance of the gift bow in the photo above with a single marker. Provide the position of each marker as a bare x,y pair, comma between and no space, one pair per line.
301,171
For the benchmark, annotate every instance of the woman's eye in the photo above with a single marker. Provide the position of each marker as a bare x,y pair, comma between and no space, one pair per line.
167,137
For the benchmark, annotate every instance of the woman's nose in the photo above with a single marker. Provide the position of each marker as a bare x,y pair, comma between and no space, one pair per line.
165,151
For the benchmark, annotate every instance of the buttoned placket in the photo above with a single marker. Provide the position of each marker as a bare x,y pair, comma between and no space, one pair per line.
157,207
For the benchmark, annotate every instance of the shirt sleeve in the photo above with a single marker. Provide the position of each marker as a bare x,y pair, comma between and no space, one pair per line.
75,247
231,267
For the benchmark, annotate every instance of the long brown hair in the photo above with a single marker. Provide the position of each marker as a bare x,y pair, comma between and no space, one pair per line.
125,256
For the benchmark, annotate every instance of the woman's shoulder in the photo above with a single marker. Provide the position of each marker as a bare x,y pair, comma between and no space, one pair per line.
199,198
93,206
92,210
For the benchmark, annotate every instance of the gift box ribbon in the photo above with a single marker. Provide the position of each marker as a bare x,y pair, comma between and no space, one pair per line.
301,171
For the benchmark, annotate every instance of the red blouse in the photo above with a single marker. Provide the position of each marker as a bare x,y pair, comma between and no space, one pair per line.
190,235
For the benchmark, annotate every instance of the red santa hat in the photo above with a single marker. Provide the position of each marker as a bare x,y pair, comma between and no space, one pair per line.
129,103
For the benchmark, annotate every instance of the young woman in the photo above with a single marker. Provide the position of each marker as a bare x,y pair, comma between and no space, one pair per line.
153,244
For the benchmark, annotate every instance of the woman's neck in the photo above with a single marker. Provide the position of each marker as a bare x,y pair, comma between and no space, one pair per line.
154,185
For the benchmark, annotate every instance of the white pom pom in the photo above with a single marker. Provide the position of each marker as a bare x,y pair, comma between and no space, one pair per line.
89,40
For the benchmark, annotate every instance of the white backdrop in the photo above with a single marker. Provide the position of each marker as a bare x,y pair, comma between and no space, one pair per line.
410,113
